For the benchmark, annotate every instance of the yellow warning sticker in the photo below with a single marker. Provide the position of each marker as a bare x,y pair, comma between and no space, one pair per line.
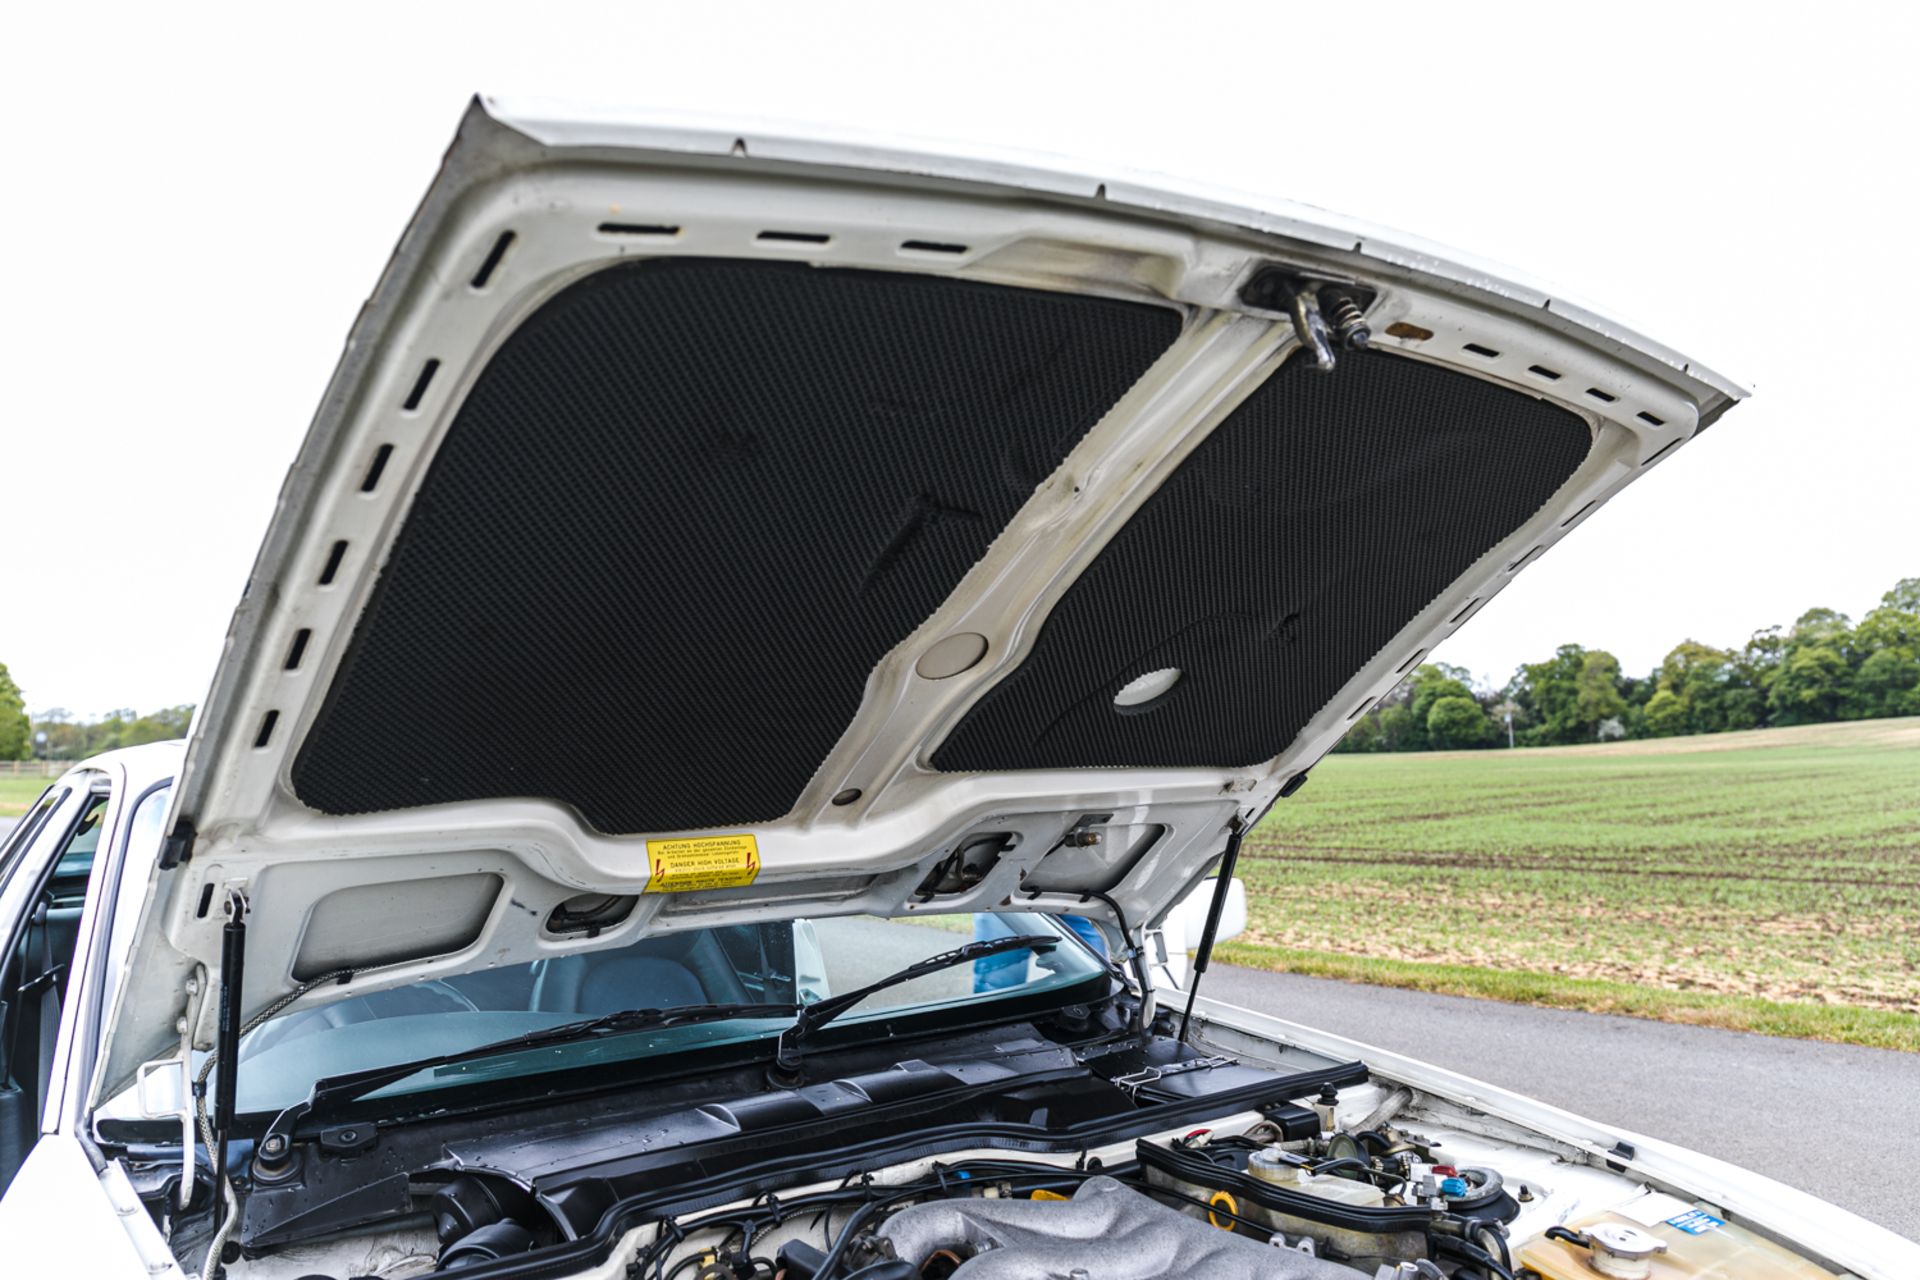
702,862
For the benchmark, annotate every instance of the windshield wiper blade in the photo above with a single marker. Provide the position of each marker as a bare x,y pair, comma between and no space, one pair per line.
358,1084
786,1060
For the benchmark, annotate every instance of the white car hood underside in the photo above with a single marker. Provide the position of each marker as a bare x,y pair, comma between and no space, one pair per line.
395,797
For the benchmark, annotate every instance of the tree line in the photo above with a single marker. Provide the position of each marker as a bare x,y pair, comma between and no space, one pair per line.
57,735
1824,667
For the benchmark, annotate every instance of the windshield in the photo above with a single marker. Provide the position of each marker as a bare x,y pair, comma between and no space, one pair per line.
784,962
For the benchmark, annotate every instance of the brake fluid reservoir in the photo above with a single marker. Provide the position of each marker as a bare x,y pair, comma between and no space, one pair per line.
1658,1237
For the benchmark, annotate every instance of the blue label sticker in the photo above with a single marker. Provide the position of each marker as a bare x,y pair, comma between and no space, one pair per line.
1696,1222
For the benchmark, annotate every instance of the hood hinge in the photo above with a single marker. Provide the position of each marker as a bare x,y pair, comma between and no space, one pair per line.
194,992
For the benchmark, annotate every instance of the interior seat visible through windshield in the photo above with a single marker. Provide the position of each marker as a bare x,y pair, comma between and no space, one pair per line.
776,963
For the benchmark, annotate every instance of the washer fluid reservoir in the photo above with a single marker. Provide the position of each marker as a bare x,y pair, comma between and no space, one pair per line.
1659,1237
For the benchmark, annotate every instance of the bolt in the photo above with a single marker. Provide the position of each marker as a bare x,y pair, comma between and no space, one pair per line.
275,1144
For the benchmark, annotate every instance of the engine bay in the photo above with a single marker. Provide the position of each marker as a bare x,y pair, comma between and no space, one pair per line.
1023,1160
1006,1109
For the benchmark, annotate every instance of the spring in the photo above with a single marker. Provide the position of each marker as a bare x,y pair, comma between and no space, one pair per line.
1349,323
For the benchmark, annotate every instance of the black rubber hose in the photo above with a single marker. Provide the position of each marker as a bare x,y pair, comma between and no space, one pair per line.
1480,1257
1133,945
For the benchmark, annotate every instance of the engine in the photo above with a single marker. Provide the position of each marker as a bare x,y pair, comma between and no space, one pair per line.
1380,1204
1105,1229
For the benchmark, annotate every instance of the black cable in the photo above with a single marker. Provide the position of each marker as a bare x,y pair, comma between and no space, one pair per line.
825,1270
872,1268
1134,945
682,1265
1349,1162
1478,1256
827,1213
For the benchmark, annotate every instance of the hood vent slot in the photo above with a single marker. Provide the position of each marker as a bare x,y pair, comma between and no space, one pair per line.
492,263
659,231
375,468
335,554
420,385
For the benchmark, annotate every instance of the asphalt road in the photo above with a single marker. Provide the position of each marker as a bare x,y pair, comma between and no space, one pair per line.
1838,1121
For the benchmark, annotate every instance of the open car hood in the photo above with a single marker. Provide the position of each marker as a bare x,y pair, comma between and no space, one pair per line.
705,525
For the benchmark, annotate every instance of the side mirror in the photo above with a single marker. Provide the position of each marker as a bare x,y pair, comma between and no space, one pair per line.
1233,913
1180,931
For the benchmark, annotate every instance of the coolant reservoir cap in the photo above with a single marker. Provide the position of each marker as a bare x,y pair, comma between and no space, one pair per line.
1624,1241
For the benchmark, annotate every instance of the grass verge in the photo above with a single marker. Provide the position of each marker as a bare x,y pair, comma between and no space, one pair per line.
1836,1024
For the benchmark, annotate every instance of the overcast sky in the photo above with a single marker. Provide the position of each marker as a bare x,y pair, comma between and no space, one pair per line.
196,207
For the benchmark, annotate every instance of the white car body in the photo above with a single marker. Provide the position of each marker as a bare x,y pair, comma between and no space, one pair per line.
436,885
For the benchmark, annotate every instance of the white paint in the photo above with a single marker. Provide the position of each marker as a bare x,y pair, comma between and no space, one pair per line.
102,1228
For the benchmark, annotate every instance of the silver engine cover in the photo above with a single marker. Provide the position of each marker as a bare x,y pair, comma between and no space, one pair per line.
1107,1231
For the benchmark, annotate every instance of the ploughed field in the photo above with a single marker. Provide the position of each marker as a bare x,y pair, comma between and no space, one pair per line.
1767,880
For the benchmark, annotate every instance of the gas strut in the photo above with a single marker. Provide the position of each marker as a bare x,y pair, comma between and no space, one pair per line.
233,961
1204,952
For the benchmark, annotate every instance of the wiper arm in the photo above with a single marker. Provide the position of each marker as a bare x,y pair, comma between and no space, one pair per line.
786,1061
358,1084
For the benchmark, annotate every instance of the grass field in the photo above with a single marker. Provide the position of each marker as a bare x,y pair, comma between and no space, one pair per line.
1766,880
17,793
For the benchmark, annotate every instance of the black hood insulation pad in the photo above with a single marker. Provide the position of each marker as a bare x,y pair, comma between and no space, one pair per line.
1283,554
685,509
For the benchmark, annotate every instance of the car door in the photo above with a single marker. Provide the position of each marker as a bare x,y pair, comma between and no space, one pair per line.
44,873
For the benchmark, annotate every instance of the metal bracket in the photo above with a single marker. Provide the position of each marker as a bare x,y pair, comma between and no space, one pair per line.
145,1071
1149,1075
178,846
